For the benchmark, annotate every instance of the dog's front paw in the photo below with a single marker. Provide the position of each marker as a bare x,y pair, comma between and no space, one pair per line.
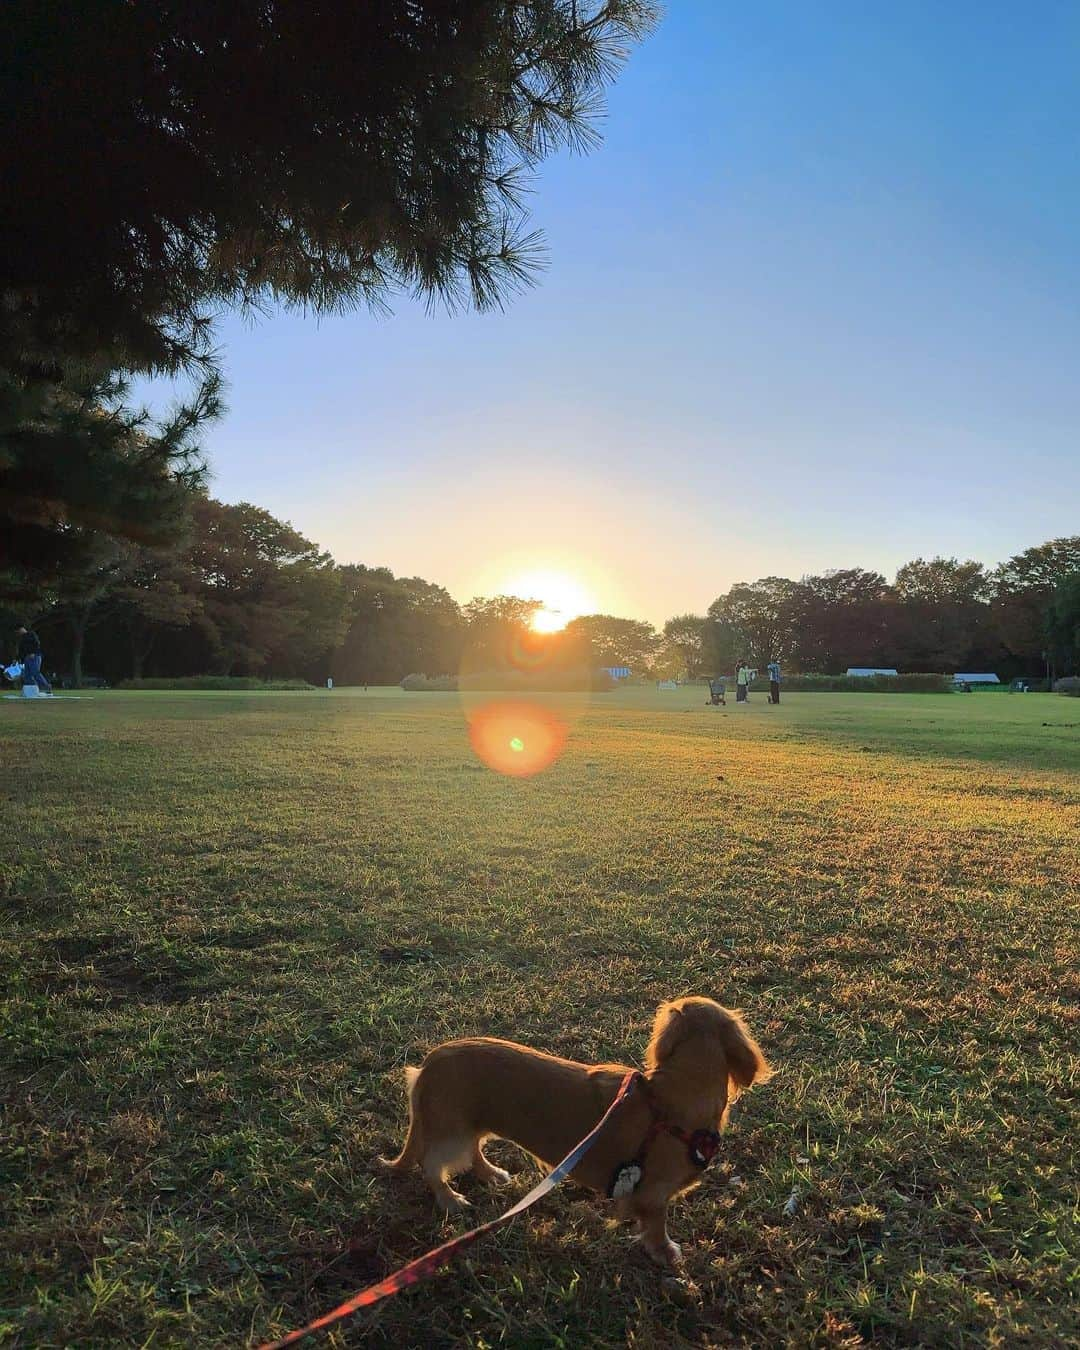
667,1253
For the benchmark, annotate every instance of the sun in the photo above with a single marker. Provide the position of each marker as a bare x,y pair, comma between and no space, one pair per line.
562,597
548,621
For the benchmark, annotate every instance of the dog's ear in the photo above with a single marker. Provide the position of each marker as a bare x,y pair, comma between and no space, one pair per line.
669,1028
746,1063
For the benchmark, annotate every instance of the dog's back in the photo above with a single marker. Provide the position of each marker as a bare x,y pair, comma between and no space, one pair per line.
468,1090
483,1086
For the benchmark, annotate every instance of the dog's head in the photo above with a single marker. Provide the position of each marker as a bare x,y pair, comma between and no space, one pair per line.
701,1036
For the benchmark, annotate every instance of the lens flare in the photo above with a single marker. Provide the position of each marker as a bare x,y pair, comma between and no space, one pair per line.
527,650
516,737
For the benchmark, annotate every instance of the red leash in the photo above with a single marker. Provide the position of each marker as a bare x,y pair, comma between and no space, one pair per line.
425,1266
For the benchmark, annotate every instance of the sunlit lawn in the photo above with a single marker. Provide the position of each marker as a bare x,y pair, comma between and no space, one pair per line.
230,919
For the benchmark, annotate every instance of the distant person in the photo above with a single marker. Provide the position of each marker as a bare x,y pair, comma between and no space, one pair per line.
30,656
774,681
742,682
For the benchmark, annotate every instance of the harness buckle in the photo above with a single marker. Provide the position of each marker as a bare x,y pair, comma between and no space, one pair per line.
703,1146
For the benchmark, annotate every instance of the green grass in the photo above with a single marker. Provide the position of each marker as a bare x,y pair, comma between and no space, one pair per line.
230,919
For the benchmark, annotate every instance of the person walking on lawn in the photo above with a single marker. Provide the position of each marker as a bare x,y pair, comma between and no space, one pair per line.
30,656
742,682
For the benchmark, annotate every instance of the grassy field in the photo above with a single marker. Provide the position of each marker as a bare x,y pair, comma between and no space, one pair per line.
230,919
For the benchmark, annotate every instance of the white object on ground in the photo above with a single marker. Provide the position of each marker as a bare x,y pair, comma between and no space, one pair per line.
792,1203
30,691
43,698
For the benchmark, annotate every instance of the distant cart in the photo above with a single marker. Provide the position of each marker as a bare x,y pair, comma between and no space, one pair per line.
984,678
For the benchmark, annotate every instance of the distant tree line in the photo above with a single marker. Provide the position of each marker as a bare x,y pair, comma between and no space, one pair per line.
240,592
938,614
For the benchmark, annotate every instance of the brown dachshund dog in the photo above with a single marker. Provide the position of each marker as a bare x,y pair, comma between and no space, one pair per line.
699,1059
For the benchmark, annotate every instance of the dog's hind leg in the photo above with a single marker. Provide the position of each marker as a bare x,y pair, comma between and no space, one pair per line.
486,1171
441,1161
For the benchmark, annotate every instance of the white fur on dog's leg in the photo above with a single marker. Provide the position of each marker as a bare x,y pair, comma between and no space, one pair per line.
447,1198
668,1256
441,1162
488,1173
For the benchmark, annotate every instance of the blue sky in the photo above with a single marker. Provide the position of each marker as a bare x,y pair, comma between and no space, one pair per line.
813,304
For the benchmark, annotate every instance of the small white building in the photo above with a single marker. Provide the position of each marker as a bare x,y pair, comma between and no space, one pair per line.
862,671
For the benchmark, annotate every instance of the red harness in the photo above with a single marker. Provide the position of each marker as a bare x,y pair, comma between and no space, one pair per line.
702,1146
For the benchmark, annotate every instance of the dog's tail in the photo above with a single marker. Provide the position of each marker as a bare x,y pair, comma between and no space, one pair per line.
413,1148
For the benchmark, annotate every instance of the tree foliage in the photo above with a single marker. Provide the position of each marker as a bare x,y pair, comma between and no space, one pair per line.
839,618
942,582
266,594
942,621
610,641
686,646
156,593
498,634
763,616
1023,587
1063,625
163,162
164,159
395,625
83,476
940,614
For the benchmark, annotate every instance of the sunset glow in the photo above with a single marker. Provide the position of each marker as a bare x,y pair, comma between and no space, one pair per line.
563,597
548,620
